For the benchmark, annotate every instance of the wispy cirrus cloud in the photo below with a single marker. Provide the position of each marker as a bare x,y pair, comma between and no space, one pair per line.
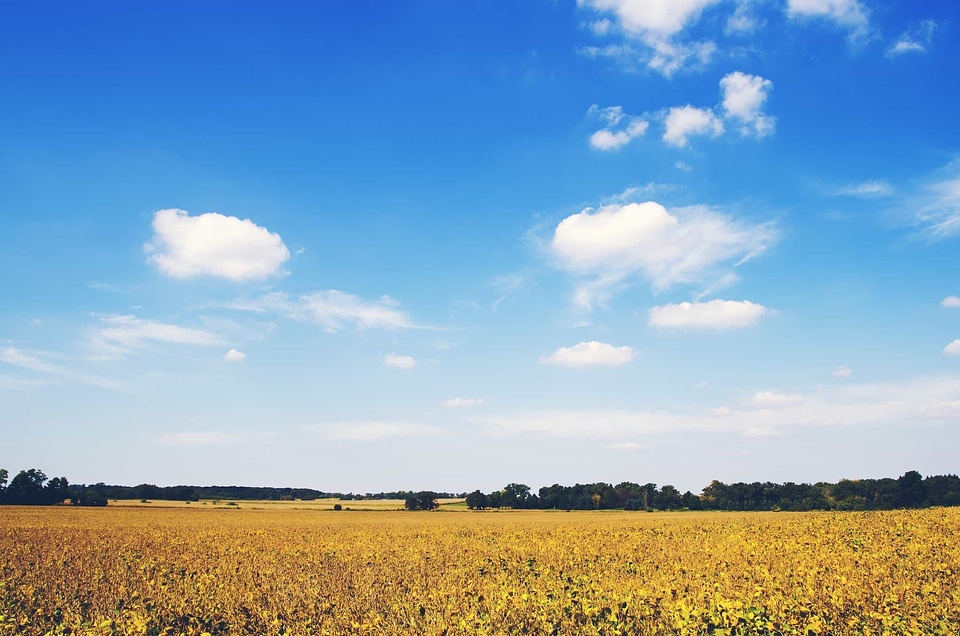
904,403
331,309
121,336
914,40
212,438
367,431
399,362
461,402
872,189
44,364
936,205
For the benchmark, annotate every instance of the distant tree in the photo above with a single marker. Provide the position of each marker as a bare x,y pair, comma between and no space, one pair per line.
495,499
690,501
633,504
515,496
423,500
668,498
911,492
477,500
57,490
942,490
3,485
26,489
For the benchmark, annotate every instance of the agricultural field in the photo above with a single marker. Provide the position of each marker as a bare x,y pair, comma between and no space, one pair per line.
208,570
281,505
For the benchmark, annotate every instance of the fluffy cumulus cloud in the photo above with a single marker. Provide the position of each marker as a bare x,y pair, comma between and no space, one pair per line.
234,356
842,372
683,122
931,399
743,99
951,302
952,349
399,362
619,241
370,431
715,314
915,40
848,14
656,26
619,129
460,402
119,336
212,244
331,309
590,354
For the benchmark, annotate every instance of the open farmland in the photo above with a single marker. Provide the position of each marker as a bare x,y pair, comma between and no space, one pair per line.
200,570
379,505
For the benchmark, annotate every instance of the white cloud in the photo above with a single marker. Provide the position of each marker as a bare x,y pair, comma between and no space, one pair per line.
370,431
505,286
901,403
849,14
682,165
743,21
332,309
590,354
937,207
461,402
39,362
656,25
951,302
842,372
212,244
683,122
234,356
122,335
626,446
15,383
715,314
915,40
867,189
620,128
952,349
210,438
743,99
399,362
772,399
665,248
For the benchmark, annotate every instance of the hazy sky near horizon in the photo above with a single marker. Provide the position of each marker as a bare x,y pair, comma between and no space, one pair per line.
361,246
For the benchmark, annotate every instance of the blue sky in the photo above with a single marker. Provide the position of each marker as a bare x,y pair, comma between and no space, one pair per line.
357,246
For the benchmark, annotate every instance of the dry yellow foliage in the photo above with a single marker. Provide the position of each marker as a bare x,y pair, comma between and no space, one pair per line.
204,571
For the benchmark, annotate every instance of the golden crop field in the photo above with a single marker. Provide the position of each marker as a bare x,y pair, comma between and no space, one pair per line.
199,570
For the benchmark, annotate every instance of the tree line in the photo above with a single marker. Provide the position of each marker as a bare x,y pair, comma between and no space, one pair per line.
33,488
911,490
